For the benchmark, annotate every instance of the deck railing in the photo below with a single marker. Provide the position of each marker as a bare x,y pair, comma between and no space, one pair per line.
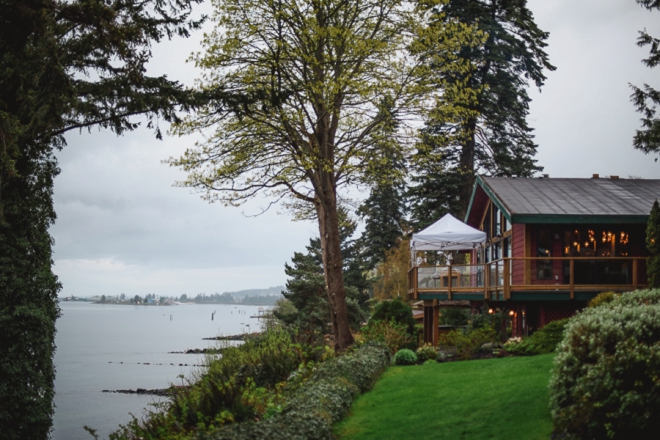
572,274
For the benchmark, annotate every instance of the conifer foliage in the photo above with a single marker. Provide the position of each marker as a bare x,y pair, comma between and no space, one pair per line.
480,124
305,288
653,245
64,65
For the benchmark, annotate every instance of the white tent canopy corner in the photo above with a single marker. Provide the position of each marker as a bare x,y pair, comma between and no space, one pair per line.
447,234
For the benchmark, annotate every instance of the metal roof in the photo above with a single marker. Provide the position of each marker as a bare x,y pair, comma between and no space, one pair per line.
559,200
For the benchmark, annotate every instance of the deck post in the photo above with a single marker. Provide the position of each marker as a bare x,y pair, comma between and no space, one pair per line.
507,279
436,322
449,282
634,274
415,282
572,277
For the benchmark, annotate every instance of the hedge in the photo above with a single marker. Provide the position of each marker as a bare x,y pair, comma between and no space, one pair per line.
320,402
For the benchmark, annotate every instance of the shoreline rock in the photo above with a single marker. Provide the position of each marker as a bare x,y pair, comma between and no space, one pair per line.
166,392
241,337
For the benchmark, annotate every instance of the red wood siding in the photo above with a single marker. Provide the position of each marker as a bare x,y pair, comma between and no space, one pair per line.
518,250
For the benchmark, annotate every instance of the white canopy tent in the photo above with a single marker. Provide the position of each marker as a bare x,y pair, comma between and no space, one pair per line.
447,234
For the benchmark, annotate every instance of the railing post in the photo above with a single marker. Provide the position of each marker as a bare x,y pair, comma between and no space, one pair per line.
416,282
449,283
634,274
572,277
507,284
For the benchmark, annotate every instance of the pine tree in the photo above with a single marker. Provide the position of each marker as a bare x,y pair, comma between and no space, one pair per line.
480,125
653,245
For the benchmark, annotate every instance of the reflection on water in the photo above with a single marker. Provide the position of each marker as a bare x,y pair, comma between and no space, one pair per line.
105,346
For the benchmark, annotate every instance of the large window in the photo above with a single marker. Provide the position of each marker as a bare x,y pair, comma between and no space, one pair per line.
544,249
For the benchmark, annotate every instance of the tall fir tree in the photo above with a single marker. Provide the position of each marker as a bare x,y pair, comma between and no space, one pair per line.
653,245
480,124
384,210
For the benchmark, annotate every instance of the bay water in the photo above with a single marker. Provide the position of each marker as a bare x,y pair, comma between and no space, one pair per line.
110,347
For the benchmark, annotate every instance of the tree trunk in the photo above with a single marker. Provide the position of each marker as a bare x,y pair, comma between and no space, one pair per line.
328,219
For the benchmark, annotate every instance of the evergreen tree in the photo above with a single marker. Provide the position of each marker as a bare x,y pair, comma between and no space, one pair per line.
647,98
653,245
384,210
306,289
480,124
63,65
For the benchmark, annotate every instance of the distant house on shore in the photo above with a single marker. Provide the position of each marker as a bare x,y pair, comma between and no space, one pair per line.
552,245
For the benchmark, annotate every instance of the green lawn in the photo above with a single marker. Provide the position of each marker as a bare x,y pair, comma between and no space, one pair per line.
485,399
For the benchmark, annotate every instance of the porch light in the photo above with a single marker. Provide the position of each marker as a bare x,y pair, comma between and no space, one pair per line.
490,311
511,313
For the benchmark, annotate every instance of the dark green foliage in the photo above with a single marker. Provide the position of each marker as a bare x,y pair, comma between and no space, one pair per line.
485,128
322,401
469,341
395,310
405,356
244,384
604,383
454,316
647,98
653,245
63,65
543,341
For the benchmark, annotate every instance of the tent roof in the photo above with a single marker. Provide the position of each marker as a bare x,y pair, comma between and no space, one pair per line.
447,234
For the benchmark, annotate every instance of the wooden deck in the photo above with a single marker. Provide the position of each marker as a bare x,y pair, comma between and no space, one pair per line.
531,278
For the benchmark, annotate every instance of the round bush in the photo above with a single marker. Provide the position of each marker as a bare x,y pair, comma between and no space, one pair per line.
405,357
427,352
430,361
606,378
396,310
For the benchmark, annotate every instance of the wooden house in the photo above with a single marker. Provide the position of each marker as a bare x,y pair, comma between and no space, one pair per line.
552,245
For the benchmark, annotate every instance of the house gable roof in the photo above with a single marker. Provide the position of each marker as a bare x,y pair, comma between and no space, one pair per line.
559,200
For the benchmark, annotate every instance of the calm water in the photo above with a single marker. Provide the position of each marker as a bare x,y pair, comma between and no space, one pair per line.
103,347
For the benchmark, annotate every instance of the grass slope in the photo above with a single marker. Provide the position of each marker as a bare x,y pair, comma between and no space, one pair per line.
485,399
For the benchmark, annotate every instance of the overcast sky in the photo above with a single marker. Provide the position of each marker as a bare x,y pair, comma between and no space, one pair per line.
123,228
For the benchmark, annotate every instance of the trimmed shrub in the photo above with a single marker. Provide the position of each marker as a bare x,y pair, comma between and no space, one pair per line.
405,357
396,310
605,380
427,352
320,402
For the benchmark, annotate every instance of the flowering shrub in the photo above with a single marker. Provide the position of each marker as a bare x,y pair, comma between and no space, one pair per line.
544,340
427,352
606,380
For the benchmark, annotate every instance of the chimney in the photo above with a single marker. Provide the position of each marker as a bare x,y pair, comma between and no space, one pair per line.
614,177
546,176
595,176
